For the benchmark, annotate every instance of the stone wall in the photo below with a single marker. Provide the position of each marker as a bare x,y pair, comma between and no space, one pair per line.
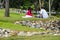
51,27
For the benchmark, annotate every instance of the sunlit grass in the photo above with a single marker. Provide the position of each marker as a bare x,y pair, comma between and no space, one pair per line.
9,23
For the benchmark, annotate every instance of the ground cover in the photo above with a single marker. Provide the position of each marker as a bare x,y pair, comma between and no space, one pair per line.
8,23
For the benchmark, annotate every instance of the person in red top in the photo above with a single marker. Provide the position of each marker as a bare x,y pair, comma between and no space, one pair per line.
28,13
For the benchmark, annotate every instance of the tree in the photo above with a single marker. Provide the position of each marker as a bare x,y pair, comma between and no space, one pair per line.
7,8
1,3
55,6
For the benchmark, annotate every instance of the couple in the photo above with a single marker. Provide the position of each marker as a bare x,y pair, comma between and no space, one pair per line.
42,14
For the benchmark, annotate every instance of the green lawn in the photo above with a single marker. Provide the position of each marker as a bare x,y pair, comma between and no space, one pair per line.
8,23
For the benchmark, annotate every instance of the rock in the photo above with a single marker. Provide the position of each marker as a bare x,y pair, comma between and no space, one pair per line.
8,30
13,33
0,35
17,22
59,27
47,24
41,23
57,34
29,34
52,25
28,24
21,33
35,33
37,25
33,25
50,33
43,33
6,34
58,23
24,23
1,30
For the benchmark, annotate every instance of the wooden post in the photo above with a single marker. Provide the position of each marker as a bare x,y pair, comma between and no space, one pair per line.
7,8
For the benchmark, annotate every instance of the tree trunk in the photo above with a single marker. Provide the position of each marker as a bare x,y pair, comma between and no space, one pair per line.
49,7
7,8
40,3
35,4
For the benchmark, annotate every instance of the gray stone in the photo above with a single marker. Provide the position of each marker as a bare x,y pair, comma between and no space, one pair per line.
58,23
24,23
41,23
48,24
0,35
6,35
37,25
1,30
21,33
28,24
33,25
29,34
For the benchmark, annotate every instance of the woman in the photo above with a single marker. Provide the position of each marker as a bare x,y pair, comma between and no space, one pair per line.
28,13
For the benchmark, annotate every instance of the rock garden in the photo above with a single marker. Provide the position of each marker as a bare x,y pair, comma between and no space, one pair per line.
49,27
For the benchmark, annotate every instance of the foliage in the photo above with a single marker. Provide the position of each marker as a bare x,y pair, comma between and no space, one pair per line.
56,5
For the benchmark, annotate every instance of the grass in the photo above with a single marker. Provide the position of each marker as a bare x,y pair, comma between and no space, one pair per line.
8,23
36,37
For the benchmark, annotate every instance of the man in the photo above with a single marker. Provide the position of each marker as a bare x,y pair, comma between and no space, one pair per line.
43,13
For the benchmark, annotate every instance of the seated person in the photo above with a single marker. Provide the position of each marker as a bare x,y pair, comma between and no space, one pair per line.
28,13
43,13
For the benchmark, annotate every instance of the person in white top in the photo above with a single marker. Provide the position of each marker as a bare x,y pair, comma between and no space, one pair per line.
43,13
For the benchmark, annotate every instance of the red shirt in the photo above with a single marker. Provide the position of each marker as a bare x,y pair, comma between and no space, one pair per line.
29,13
